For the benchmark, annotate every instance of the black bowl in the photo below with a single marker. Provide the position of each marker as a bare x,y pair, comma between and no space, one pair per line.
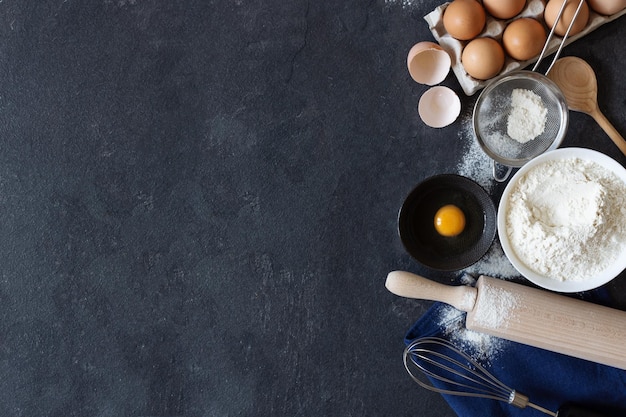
417,228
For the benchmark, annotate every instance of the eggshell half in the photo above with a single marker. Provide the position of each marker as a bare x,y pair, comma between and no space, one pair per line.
439,106
428,63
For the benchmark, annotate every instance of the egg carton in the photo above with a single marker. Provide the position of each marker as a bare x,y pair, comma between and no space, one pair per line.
494,28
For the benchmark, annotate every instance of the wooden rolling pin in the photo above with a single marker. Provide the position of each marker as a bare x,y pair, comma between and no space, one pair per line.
528,315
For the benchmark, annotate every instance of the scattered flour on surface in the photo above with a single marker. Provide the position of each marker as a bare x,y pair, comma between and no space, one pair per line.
467,279
494,264
474,164
567,219
404,3
480,346
527,119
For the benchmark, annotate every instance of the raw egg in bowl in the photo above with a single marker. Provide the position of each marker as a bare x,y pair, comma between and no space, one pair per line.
447,222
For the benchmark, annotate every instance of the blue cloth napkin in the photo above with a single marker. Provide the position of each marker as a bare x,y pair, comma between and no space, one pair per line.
549,379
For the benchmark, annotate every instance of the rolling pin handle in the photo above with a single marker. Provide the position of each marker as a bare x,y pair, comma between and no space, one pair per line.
406,284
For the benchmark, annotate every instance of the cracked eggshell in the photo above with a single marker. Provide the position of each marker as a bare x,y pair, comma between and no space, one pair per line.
439,106
428,63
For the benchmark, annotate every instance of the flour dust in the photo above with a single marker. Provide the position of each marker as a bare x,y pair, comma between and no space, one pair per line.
482,347
474,163
406,4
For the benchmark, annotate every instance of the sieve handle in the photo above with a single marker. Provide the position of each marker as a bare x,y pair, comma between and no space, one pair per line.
505,176
563,39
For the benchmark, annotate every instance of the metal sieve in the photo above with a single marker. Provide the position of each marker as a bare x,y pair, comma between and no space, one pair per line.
493,106
491,114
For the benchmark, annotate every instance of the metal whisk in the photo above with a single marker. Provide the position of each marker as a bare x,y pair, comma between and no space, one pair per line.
443,362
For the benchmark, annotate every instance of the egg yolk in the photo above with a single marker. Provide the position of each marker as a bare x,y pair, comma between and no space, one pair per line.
449,220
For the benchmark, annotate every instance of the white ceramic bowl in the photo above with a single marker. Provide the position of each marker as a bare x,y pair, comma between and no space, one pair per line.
547,282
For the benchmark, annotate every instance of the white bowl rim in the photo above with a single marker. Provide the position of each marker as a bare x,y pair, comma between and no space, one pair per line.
546,282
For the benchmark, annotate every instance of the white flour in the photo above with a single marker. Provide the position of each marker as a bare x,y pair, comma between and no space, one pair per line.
404,3
567,219
494,264
496,313
492,315
475,164
480,346
527,119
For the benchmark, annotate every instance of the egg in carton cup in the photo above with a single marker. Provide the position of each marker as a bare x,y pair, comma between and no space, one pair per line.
494,28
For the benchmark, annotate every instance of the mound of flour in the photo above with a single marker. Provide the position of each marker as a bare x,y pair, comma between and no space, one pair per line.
567,219
527,119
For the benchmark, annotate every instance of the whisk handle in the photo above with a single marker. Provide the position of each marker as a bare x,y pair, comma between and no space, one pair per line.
406,284
572,410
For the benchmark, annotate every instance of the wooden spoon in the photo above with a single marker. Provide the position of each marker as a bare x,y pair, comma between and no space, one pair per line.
577,81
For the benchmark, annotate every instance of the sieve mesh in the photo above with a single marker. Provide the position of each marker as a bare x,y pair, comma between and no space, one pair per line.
494,106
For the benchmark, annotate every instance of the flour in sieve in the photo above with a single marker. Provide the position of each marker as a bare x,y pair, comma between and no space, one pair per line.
527,119
567,219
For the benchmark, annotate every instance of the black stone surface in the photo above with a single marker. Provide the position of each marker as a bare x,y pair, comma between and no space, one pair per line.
198,204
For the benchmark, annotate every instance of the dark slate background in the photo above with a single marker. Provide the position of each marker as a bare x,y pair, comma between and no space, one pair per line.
198,203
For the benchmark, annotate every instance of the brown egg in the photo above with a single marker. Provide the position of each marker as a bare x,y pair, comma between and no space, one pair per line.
552,11
483,58
504,9
523,38
464,19
607,7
